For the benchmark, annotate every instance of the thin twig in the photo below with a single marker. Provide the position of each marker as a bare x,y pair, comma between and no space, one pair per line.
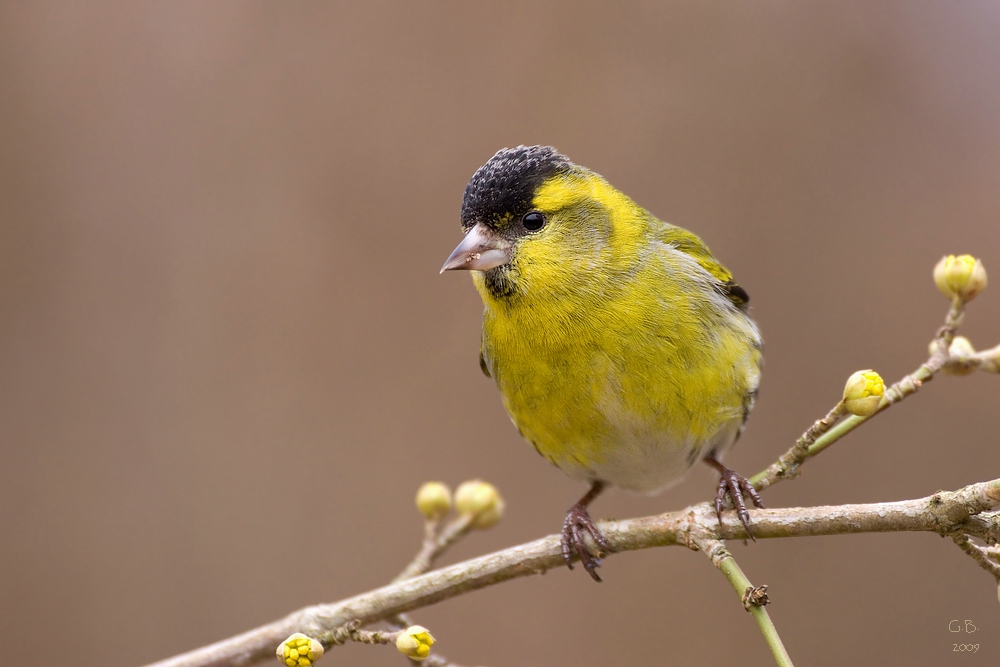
719,555
437,661
988,360
787,465
945,513
434,544
979,554
830,429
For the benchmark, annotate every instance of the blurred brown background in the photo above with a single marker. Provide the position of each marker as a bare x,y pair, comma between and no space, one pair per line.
223,327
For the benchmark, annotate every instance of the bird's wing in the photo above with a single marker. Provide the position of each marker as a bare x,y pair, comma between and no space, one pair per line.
482,362
686,242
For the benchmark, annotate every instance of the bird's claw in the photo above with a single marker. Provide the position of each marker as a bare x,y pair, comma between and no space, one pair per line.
577,522
735,486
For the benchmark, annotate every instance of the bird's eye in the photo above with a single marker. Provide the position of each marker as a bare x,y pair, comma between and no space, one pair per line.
533,221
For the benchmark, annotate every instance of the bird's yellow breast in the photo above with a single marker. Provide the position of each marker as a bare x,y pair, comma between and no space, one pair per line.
639,370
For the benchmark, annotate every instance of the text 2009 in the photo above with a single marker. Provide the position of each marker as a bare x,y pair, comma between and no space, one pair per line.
971,648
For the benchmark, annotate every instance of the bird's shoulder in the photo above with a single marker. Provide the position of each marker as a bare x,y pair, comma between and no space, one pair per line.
684,241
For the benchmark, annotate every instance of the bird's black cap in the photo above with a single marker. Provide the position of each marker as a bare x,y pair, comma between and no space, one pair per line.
503,188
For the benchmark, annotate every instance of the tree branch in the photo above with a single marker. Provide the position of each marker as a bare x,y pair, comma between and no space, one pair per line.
966,511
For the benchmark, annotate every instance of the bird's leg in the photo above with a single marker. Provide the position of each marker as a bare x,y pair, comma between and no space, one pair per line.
734,486
577,521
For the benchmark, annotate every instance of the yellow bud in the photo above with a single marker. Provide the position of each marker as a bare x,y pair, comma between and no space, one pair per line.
415,642
863,393
482,500
434,500
299,651
963,276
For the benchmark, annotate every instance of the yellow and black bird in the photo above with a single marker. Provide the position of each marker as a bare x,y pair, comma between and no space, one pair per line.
622,349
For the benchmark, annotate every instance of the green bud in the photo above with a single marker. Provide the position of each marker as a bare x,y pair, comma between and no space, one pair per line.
434,500
482,500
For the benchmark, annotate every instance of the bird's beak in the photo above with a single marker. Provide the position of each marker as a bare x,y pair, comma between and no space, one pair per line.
481,249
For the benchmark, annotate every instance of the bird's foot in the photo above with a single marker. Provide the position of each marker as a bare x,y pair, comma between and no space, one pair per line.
735,486
577,522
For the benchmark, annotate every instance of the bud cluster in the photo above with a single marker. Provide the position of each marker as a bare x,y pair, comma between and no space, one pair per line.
474,498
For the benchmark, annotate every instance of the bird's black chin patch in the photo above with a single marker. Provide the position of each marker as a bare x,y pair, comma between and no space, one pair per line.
499,283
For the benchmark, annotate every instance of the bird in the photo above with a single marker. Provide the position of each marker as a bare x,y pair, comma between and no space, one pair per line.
622,349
